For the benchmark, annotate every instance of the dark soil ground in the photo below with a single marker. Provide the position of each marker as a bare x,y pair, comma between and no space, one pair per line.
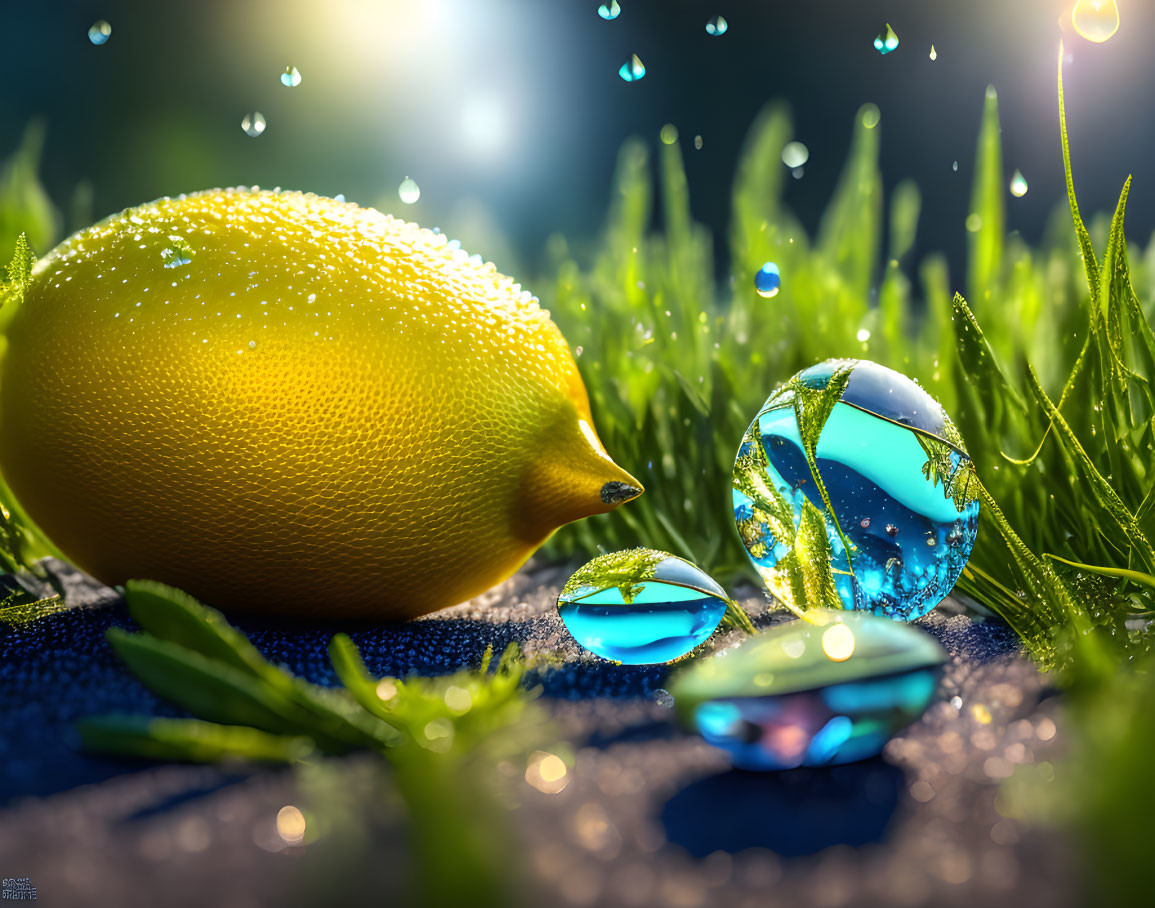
647,815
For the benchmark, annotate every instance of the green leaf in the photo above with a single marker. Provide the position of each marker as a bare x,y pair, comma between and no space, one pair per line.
189,740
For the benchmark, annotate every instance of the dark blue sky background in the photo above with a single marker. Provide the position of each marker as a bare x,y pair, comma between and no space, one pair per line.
514,107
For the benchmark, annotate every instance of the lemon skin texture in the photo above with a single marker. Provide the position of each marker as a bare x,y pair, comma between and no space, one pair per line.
283,403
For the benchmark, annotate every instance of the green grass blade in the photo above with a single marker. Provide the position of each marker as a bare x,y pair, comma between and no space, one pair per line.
188,740
986,223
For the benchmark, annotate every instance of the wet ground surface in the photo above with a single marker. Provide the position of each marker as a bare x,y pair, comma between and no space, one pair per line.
646,816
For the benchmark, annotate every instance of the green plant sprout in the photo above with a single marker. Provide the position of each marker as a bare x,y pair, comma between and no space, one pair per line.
437,734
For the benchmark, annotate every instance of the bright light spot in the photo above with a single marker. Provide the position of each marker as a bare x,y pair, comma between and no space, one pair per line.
863,335
794,647
1096,20
838,643
386,689
981,713
933,53
795,154
1018,185
291,825
484,126
547,772
458,699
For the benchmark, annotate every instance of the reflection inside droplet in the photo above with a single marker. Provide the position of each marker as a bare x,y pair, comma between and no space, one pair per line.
1019,185
291,77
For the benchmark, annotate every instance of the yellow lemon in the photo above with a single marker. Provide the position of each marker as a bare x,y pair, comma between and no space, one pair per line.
285,403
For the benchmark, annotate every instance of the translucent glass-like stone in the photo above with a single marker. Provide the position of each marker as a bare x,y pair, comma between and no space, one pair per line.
830,689
903,514
641,606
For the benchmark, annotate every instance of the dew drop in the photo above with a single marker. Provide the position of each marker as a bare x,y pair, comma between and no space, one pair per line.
863,335
100,32
291,77
1096,20
1019,185
698,142
885,42
253,123
954,166
974,222
933,53
717,26
669,134
795,154
409,191
871,116
797,173
176,253
632,70
768,281
611,11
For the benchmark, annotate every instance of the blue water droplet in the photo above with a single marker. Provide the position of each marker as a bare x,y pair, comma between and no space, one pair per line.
641,606
886,41
291,77
767,281
100,32
611,11
633,69
896,476
717,26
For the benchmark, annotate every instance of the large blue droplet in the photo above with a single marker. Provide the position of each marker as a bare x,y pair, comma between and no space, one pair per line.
908,529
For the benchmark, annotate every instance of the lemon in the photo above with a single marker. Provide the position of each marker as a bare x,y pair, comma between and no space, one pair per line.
285,403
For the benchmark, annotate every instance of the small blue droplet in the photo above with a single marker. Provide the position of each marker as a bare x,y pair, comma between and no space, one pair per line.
717,26
610,11
100,32
632,70
767,281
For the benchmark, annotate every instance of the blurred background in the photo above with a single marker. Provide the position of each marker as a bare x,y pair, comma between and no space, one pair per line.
509,114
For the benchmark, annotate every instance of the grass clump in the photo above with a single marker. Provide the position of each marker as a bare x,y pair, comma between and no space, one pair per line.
1047,370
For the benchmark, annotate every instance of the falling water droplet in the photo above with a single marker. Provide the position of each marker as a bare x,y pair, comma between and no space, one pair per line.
291,77
409,191
611,11
669,134
886,41
933,53
100,32
632,70
798,173
698,142
717,26
795,154
768,281
253,123
1096,20
1019,185
954,166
